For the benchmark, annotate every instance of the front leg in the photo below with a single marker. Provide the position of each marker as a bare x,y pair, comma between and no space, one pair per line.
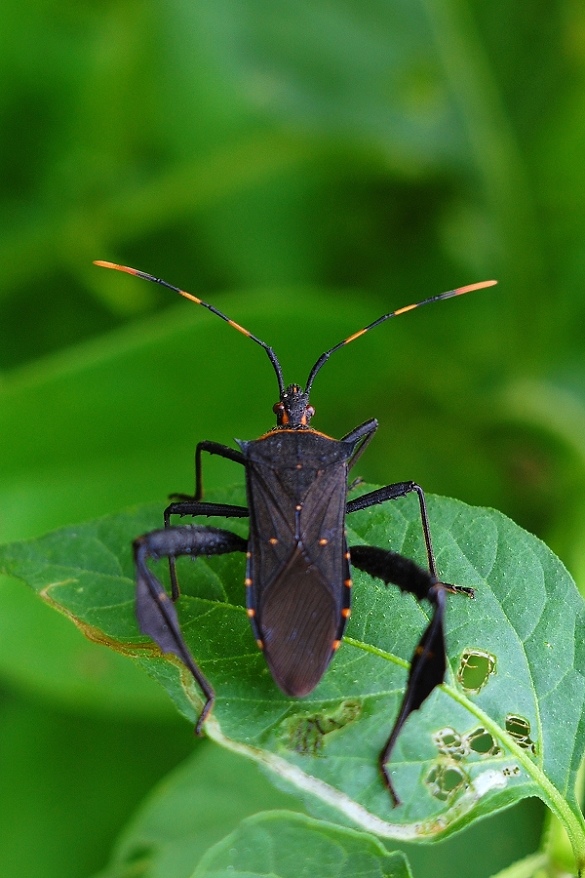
156,614
429,661
363,435
185,504
211,448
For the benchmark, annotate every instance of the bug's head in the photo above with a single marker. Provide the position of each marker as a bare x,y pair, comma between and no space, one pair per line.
293,409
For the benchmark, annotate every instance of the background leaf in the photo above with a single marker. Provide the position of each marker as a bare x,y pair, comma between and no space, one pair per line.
276,838
194,808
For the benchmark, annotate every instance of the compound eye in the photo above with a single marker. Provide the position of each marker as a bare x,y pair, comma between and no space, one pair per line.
278,408
310,411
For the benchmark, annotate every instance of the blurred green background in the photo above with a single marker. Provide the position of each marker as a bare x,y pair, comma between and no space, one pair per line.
306,167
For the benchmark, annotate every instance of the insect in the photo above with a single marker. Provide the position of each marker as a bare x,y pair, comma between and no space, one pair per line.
298,573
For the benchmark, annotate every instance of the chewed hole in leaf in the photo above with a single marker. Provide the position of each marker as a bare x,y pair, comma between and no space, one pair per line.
446,779
475,668
482,742
306,734
519,729
450,743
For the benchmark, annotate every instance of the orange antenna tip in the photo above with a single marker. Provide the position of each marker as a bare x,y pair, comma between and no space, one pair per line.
103,264
480,286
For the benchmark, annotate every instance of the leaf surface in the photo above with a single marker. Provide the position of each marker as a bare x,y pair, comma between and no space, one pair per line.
271,844
507,724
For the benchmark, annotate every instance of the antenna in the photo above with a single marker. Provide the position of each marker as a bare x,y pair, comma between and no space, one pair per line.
460,291
157,280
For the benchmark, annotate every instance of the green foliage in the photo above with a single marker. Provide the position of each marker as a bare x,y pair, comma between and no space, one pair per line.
510,724
277,838
306,167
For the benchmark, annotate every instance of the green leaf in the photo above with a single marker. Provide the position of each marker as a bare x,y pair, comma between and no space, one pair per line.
290,845
193,808
507,724
212,791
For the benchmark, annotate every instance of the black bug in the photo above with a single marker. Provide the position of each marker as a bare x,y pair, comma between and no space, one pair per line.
298,576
